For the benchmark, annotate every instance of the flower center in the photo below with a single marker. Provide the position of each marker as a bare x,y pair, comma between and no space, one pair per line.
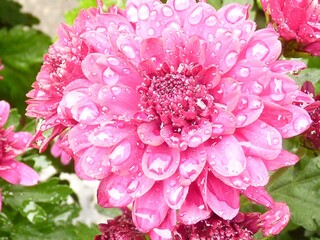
175,97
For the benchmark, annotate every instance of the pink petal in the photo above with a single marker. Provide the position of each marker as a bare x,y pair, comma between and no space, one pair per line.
163,232
115,99
287,66
222,199
264,46
254,75
193,52
209,77
4,112
160,162
19,141
226,157
191,164
110,134
149,133
258,171
172,138
194,208
241,181
18,173
229,94
259,195
152,48
299,123
174,192
153,20
281,90
78,139
149,210
284,159
223,122
248,110
197,134
137,183
263,141
276,115
233,13
112,192
276,219
123,156
93,163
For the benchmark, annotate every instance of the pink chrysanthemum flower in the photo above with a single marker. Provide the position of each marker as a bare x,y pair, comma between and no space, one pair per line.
297,20
174,106
13,144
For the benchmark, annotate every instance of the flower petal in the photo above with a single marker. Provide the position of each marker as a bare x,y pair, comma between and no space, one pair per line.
149,211
263,141
285,159
4,112
226,157
160,162
222,199
194,208
191,164
112,192
18,173
174,192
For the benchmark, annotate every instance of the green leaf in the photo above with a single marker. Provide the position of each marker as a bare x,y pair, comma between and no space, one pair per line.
50,191
33,212
21,51
70,16
13,119
11,15
299,186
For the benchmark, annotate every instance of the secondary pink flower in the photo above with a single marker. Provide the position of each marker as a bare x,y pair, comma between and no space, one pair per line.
176,106
13,144
297,20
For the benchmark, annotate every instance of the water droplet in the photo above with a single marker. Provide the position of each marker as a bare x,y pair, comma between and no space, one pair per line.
167,11
196,16
151,31
128,51
244,72
126,71
143,12
231,58
211,21
120,153
257,87
133,186
180,5
234,14
259,50
300,123
195,141
241,118
113,61
116,90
